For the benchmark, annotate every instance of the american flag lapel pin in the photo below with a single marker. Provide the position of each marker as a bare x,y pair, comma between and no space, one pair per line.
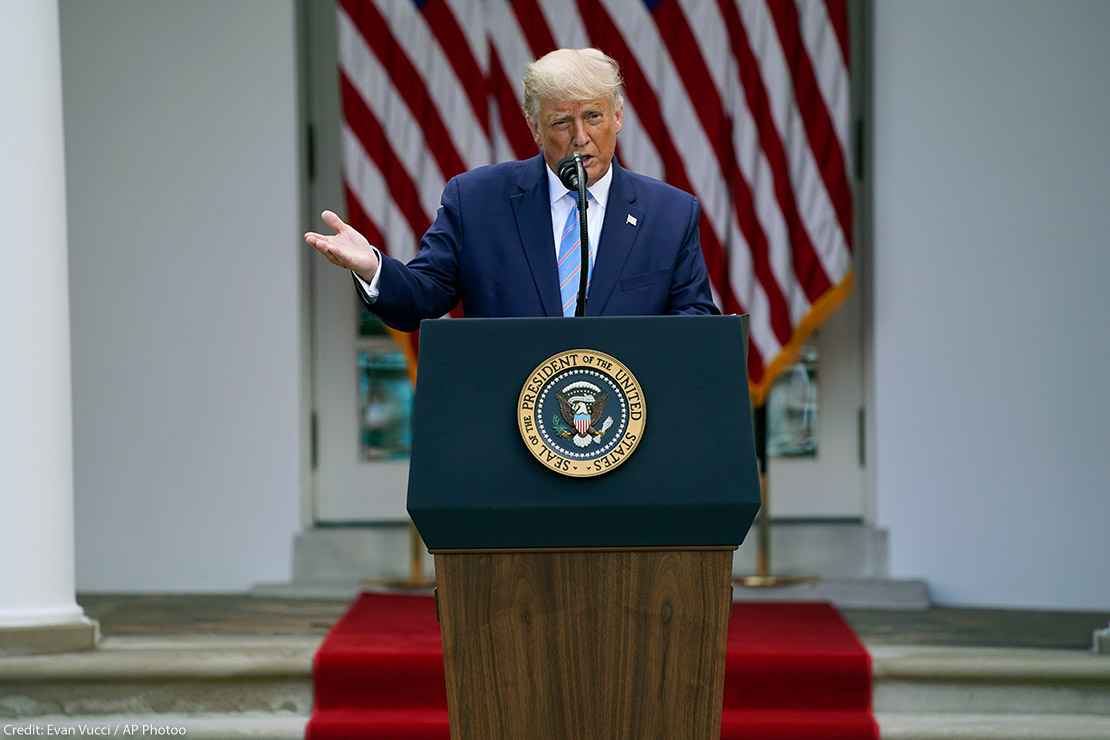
631,219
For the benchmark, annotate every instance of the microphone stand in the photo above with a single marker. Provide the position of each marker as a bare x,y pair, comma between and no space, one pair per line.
584,237
572,174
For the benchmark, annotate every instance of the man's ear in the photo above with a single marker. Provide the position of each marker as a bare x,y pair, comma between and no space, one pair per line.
618,117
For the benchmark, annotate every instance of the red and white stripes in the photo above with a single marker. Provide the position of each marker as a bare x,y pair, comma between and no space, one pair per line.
745,104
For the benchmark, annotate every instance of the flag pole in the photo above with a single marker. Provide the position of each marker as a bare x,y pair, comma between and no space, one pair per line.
762,577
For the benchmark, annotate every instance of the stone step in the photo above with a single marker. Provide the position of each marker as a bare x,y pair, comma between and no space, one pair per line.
895,726
940,680
332,561
154,676
846,593
136,676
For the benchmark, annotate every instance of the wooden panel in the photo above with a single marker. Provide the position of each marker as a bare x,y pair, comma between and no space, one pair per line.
585,645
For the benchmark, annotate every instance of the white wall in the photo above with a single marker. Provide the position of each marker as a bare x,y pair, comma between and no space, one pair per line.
992,298
184,241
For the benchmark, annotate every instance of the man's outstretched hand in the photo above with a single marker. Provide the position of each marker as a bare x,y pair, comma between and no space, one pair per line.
346,248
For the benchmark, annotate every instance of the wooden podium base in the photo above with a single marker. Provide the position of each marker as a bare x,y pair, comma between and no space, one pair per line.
598,644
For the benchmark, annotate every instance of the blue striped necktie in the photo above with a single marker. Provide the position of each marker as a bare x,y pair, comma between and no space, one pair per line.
570,258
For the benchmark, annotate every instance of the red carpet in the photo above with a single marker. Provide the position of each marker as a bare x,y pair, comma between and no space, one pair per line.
794,672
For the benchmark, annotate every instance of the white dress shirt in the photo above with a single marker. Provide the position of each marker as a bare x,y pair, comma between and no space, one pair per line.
560,207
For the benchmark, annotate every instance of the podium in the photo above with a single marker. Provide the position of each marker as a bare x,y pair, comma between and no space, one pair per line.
582,484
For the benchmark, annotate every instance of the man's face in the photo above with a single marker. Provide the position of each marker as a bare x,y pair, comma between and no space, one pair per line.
589,127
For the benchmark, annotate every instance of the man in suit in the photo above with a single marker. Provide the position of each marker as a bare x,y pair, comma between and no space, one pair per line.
505,239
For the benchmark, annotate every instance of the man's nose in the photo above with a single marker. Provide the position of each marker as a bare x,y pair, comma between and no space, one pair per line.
580,137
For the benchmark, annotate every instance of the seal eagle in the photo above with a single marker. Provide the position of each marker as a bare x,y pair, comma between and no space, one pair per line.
582,413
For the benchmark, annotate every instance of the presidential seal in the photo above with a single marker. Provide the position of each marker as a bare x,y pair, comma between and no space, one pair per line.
581,413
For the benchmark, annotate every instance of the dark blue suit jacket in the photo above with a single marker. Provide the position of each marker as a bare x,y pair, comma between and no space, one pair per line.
491,248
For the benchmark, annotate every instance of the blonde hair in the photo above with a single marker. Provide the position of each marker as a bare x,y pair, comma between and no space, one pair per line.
572,74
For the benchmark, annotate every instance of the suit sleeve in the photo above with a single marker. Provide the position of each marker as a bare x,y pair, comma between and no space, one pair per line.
428,286
690,292
368,291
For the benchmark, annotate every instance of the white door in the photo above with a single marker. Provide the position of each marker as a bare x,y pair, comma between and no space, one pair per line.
361,471
834,483
830,484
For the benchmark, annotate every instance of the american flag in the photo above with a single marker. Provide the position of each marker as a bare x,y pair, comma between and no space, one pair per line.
744,103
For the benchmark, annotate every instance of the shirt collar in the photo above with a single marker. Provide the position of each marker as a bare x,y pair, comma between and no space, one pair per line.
599,190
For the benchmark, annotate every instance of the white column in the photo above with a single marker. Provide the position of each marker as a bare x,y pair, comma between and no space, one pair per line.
36,472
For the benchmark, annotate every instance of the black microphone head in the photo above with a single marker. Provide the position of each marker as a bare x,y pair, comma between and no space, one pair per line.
567,169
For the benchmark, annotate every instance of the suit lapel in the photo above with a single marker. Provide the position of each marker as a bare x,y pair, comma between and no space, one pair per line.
617,239
532,209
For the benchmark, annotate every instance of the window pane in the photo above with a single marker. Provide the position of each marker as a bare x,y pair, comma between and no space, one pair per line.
792,409
385,405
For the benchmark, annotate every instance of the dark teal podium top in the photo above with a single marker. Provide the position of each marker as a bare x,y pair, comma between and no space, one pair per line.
691,481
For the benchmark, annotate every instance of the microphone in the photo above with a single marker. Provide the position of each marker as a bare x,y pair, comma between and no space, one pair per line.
573,176
567,169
